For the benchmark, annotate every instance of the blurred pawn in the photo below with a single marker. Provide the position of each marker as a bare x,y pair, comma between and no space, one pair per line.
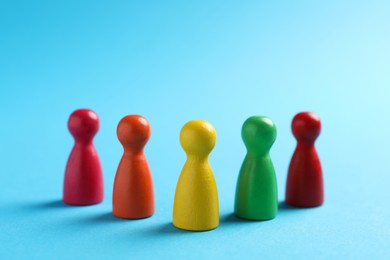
83,184
133,195
305,186
256,191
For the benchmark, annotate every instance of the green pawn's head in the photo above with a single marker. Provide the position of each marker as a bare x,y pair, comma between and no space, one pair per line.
259,134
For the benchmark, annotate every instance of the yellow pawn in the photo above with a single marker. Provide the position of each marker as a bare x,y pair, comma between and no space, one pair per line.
196,199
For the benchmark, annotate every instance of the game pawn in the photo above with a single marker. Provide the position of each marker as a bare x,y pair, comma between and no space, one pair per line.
133,195
83,183
256,191
196,199
305,186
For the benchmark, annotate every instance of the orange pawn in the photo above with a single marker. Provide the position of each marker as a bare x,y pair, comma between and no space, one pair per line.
133,195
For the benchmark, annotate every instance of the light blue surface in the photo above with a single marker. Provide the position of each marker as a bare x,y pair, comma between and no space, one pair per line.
175,61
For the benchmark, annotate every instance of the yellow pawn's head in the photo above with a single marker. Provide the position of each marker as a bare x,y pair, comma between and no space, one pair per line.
198,137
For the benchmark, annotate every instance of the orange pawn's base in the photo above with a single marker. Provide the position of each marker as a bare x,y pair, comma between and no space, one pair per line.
126,215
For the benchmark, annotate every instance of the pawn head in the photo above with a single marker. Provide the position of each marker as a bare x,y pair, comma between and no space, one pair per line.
83,124
198,137
306,126
133,132
258,134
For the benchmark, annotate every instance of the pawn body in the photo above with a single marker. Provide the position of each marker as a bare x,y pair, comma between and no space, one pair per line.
196,205
83,182
133,195
256,191
305,186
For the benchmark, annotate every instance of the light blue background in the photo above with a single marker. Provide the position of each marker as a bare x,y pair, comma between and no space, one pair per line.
173,61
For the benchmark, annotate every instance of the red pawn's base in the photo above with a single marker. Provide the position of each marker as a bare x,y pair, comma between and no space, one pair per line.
82,201
304,203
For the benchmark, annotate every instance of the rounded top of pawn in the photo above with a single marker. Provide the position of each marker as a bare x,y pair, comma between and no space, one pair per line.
133,132
258,134
83,124
306,126
198,137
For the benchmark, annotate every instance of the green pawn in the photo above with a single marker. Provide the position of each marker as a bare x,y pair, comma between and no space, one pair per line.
256,192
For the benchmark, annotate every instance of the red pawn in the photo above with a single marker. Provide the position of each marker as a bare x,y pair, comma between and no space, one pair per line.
305,186
83,183
133,196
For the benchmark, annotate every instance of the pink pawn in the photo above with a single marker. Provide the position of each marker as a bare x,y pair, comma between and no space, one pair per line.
83,184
